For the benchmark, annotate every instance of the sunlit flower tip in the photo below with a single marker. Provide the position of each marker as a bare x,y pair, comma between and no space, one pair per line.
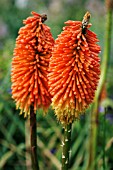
74,70
30,65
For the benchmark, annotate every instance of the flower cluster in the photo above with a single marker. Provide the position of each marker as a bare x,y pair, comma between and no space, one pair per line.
74,70
30,64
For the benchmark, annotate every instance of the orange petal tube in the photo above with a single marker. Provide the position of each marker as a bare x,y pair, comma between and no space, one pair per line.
74,71
30,64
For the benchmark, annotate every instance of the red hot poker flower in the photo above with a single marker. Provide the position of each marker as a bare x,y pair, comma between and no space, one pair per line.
30,64
74,70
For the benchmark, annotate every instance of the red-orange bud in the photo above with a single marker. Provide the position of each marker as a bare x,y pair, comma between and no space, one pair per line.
30,64
74,70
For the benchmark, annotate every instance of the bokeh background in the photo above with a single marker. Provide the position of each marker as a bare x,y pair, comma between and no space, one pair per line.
14,129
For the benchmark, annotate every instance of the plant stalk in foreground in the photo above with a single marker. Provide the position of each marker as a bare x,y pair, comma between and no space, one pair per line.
66,147
74,74
33,139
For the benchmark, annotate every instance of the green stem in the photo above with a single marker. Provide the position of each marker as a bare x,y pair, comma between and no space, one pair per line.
94,115
33,139
93,138
66,147
106,55
104,139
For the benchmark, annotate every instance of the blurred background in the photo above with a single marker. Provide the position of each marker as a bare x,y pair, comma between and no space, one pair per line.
14,129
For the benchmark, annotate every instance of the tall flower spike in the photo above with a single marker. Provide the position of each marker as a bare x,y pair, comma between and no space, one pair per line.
74,70
30,64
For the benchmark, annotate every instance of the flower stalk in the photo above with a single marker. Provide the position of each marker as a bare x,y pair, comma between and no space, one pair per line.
104,141
66,147
74,72
33,139
30,64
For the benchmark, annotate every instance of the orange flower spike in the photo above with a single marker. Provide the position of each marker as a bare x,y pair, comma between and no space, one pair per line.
74,70
30,64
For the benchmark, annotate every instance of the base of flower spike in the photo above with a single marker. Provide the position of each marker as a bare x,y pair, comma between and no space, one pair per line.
66,114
